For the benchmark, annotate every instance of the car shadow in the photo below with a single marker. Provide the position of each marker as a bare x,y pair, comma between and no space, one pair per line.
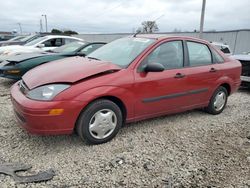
62,142
244,90
6,83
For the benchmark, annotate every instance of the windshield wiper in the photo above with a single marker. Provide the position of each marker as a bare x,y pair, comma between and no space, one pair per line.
93,58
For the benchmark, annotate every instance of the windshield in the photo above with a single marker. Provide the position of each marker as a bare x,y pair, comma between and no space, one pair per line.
34,42
122,51
71,47
17,38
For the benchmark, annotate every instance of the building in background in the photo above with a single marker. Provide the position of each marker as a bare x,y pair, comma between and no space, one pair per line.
238,40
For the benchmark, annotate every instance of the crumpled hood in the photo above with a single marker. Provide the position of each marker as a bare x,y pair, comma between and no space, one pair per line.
68,70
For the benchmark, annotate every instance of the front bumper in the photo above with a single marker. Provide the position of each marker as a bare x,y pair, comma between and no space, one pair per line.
35,118
245,78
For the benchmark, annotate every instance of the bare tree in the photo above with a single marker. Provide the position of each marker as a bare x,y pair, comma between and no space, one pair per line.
148,27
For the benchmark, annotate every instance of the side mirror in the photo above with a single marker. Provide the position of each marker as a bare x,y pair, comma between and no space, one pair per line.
40,45
154,67
81,54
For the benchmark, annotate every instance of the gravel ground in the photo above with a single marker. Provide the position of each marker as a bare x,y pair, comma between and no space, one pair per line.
191,149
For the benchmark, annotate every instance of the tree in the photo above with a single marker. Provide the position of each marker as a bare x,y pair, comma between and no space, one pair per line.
148,27
56,31
70,32
67,32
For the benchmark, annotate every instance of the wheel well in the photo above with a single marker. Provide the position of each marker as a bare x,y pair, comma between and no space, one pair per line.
119,103
228,87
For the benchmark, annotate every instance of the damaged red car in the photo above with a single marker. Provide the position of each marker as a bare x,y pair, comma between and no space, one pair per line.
127,80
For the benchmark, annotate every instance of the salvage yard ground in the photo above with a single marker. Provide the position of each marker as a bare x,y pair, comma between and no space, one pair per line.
191,149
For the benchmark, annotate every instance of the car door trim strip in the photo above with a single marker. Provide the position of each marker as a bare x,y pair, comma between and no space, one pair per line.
191,92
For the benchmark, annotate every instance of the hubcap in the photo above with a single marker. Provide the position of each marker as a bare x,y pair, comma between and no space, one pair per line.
220,100
102,124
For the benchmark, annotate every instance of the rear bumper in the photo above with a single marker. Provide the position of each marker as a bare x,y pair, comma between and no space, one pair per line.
35,118
245,78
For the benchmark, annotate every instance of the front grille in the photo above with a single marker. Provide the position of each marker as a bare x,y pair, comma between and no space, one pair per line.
23,87
245,68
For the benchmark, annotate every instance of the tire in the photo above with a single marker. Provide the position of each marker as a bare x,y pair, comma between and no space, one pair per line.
214,108
99,122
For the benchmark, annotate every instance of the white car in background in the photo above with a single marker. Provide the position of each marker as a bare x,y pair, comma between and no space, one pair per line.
45,43
245,73
223,47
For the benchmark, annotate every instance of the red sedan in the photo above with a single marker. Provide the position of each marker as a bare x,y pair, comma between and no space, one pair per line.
127,80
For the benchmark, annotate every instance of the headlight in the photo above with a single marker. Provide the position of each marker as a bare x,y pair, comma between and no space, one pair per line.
47,92
14,71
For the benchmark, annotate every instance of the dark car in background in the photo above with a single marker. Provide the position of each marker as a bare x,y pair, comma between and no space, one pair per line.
16,66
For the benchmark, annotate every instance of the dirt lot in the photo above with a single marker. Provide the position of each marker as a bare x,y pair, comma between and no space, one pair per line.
191,149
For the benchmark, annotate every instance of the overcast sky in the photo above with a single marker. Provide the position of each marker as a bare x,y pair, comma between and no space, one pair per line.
112,16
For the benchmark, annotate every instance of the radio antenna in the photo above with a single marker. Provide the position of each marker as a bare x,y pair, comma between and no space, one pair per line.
138,32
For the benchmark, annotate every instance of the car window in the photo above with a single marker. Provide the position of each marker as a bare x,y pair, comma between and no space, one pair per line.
225,50
199,54
217,57
122,51
90,48
67,41
35,41
53,42
169,54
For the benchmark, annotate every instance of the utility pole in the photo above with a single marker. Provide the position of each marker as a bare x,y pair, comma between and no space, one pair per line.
46,22
202,18
41,26
20,27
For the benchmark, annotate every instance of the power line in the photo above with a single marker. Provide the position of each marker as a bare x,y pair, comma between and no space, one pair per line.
107,10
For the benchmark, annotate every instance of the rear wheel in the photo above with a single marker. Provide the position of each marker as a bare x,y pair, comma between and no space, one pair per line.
218,101
99,122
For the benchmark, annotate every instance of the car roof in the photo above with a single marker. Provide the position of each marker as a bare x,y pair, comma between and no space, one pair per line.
61,36
164,36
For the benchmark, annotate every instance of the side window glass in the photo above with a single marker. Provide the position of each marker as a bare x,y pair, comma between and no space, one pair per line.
217,57
169,54
199,54
225,50
67,41
53,42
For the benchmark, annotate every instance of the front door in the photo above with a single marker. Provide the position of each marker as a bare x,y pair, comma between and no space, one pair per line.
160,92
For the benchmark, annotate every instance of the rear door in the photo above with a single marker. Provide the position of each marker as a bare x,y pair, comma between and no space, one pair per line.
202,72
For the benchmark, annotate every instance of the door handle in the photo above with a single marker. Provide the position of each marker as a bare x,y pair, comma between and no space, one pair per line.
179,75
212,70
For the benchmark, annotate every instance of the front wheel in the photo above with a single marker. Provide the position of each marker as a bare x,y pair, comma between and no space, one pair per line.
218,101
99,122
